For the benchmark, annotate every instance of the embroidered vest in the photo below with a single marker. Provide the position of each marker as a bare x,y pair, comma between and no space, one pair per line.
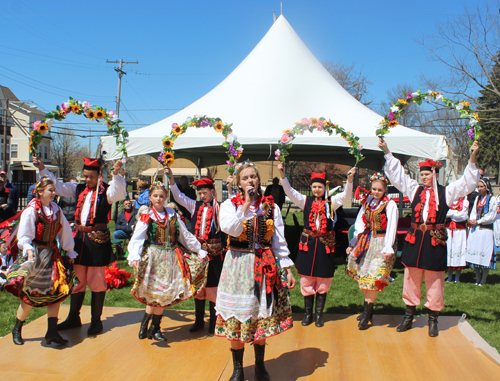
103,207
166,236
46,232
376,219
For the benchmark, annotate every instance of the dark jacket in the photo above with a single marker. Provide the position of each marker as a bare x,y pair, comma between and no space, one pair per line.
123,225
14,195
10,209
68,207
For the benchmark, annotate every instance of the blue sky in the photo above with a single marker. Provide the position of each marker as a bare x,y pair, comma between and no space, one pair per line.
51,50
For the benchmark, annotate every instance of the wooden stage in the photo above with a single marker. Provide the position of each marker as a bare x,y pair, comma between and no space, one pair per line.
338,351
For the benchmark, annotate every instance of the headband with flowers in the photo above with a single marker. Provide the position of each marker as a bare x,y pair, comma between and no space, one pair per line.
43,179
379,176
239,165
156,184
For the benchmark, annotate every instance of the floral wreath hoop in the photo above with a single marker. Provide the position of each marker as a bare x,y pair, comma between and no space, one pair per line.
96,113
398,109
234,149
317,124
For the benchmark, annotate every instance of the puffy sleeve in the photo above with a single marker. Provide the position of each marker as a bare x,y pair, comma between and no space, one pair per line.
278,241
117,189
231,218
392,226
463,214
65,235
359,226
297,198
182,199
491,216
27,230
136,242
189,241
397,176
62,189
464,185
339,199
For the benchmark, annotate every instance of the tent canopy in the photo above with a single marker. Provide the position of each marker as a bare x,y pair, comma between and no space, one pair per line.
276,85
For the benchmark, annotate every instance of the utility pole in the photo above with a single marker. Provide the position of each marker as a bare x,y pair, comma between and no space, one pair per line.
121,73
5,123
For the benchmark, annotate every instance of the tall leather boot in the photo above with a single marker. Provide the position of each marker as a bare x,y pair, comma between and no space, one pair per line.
52,335
360,316
260,369
308,304
143,331
96,307
199,313
213,317
320,305
433,323
73,319
408,319
16,332
367,316
154,331
237,365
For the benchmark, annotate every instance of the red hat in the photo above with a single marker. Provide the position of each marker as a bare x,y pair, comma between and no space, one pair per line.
91,164
429,165
318,178
204,183
3,173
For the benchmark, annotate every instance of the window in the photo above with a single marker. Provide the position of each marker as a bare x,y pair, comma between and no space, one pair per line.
45,153
14,151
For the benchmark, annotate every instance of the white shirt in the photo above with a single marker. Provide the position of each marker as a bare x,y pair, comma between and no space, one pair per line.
459,215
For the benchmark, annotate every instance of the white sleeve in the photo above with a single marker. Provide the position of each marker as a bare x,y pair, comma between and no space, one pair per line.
65,236
464,213
231,219
182,199
392,227
297,198
473,213
491,216
359,226
279,245
27,230
62,189
464,185
339,199
189,241
117,189
136,242
397,176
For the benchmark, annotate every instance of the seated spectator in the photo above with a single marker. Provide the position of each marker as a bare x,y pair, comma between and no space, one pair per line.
142,198
126,221
12,190
7,206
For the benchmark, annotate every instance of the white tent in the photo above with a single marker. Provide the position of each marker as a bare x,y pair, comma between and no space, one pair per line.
276,85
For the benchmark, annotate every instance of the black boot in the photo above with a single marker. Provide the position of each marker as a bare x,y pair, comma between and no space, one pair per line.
433,323
360,316
320,305
367,316
408,319
52,335
237,365
308,304
199,313
213,317
96,307
73,319
16,333
154,331
260,369
143,331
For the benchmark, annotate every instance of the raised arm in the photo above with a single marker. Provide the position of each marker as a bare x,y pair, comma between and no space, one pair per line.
62,189
182,199
339,199
297,198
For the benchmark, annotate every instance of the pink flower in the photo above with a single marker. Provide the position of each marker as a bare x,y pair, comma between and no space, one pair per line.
391,116
124,160
409,96
174,125
305,121
289,322
111,113
35,125
285,139
283,324
360,147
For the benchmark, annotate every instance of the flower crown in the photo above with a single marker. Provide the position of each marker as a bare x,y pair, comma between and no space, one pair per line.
379,176
156,184
43,179
239,165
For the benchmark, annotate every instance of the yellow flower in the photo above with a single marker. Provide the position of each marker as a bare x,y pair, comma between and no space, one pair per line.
288,131
239,155
269,230
177,130
169,161
314,121
475,115
168,156
108,123
168,143
90,114
75,108
351,143
328,123
194,124
99,114
219,126
43,128
403,101
466,104
382,122
392,123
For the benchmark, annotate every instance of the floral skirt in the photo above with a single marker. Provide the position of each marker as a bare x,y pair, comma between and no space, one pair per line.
43,281
373,272
168,276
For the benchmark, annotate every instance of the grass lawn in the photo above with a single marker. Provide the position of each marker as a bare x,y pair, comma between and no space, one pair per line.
479,303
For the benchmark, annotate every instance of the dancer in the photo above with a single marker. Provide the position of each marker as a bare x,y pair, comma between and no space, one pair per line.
92,239
456,228
253,301
371,250
40,277
205,215
481,240
315,259
424,250
166,276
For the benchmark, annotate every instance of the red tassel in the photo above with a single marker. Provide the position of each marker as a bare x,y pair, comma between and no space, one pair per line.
410,238
433,241
327,249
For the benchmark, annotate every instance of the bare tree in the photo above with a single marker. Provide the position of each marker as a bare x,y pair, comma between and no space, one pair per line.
137,164
66,152
352,80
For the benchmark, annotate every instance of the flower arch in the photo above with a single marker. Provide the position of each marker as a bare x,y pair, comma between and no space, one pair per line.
317,124
233,148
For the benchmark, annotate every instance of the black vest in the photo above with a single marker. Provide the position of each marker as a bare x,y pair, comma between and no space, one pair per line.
68,207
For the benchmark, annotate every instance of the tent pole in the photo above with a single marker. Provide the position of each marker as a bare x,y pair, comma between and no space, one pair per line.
198,166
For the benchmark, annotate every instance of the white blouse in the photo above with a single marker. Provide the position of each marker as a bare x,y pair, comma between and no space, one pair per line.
116,191
186,239
27,230
489,217
231,222
408,186
459,215
392,224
